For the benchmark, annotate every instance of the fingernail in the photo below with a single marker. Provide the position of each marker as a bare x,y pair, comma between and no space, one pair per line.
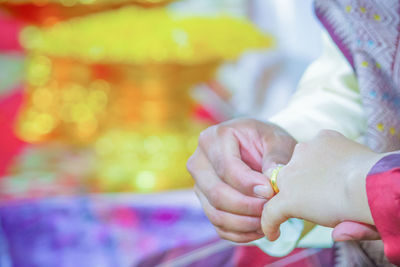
343,237
262,191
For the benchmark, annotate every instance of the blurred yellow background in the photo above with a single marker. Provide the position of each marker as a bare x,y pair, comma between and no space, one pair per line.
110,81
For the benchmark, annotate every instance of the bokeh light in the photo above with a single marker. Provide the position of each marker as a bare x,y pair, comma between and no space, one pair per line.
117,82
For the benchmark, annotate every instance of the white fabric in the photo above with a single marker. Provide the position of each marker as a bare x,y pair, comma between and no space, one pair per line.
327,98
290,234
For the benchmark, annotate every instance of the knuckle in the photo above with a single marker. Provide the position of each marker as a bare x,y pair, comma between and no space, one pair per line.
232,237
203,139
220,168
235,176
216,198
215,219
224,130
221,233
225,169
197,192
249,223
190,165
205,136
225,172
224,235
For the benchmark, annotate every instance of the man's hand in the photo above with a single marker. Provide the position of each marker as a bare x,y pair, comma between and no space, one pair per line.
227,167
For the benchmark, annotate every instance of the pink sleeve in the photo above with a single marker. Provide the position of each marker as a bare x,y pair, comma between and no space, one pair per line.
383,191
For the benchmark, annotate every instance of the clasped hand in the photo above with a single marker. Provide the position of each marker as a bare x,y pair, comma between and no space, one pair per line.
323,181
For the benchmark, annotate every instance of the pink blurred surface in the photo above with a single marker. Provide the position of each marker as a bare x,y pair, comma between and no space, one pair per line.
10,145
9,30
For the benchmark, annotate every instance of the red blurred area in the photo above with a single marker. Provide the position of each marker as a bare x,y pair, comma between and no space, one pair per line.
253,256
10,145
9,31
48,14
10,103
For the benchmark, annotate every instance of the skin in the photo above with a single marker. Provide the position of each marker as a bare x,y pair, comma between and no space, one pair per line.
230,168
228,164
325,183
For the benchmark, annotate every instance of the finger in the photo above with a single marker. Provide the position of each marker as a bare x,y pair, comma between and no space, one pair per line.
238,237
228,164
241,177
274,214
347,231
264,191
220,195
274,154
268,192
228,221
224,198
272,161
250,151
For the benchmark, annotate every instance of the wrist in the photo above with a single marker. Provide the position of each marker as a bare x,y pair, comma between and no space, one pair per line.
355,188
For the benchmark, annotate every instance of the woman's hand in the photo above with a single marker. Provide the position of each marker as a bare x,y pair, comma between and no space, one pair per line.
227,167
324,183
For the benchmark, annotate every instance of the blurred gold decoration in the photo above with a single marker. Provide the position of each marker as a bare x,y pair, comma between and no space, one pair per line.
145,160
73,102
144,36
119,81
123,67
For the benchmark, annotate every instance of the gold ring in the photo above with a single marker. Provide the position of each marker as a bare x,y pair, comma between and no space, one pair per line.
274,177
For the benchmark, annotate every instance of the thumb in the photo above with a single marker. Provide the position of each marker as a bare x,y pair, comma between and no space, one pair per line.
274,214
272,160
348,230
274,155
277,151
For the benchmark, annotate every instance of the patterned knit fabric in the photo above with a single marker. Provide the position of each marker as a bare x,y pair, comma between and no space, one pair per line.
368,34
